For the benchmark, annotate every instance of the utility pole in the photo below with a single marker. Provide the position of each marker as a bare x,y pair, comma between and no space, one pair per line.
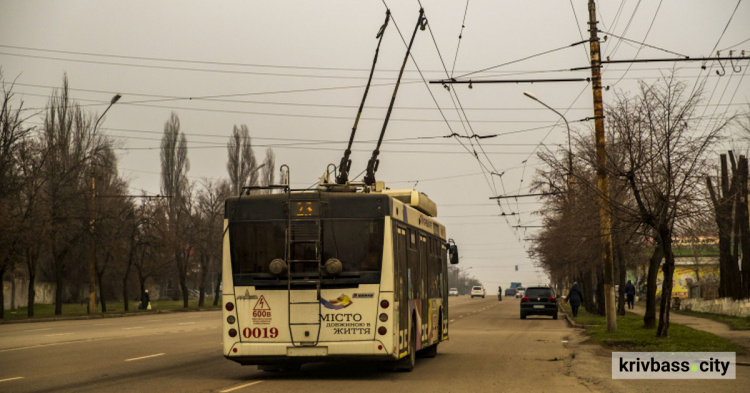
602,179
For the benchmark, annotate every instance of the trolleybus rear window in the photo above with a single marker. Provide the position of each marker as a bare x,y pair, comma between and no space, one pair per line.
255,244
357,243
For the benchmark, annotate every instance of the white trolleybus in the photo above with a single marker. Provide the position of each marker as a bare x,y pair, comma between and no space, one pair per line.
312,276
346,271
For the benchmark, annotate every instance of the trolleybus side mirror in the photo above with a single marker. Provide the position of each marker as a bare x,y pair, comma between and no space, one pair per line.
453,252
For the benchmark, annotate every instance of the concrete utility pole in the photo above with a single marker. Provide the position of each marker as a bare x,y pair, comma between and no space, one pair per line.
602,179
92,247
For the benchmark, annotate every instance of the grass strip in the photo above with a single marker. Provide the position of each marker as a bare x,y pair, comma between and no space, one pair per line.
734,323
632,336
44,311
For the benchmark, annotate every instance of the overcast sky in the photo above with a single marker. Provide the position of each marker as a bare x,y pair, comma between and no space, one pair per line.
294,73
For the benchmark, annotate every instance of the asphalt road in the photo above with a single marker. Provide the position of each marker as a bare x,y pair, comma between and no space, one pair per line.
181,352
490,350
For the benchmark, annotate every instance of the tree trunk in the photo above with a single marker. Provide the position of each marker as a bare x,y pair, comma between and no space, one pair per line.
2,292
205,263
126,276
216,290
621,276
58,291
181,261
31,295
723,202
744,219
600,302
99,278
666,287
649,319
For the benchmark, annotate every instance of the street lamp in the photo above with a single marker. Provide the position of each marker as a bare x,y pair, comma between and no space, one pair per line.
570,151
92,247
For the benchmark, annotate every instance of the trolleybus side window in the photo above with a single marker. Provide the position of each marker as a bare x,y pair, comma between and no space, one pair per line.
412,257
400,262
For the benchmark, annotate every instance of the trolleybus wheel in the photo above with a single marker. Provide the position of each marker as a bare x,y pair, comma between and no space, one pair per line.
407,363
431,351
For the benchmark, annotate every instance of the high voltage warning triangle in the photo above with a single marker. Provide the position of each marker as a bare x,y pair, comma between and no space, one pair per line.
262,304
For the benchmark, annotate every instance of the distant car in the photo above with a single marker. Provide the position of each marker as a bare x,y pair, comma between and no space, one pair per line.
477,291
453,292
520,292
539,301
510,292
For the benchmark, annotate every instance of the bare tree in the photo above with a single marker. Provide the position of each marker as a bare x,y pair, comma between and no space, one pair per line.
68,138
241,163
174,184
208,222
664,156
268,167
13,137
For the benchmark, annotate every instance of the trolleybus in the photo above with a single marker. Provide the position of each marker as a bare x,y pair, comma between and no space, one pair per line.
347,273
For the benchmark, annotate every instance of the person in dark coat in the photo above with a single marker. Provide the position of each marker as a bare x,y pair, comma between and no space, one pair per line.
575,298
500,293
630,293
145,300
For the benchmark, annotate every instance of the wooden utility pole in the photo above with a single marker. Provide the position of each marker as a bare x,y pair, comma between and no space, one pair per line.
605,221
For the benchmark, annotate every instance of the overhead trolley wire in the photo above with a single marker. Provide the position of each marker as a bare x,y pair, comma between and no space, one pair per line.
457,100
580,33
656,13
460,36
521,59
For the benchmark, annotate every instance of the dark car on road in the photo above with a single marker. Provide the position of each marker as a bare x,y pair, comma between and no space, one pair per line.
539,301
510,292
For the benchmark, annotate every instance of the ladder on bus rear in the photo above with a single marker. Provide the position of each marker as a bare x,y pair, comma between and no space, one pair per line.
304,274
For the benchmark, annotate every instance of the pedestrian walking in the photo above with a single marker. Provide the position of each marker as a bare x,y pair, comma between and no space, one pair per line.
145,301
500,294
630,293
575,298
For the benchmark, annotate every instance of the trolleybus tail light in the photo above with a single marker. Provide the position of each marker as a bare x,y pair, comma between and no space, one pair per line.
231,319
232,333
384,303
383,317
230,306
382,330
552,299
524,299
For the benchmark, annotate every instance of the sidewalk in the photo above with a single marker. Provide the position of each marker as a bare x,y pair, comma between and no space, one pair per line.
739,337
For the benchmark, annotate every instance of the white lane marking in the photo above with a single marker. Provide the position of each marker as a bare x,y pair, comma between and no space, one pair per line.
144,357
186,323
58,334
130,328
240,387
451,320
10,379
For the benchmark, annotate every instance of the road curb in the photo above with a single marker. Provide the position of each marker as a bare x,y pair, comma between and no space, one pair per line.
102,316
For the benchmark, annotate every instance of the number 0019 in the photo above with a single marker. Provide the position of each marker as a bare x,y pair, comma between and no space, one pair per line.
260,333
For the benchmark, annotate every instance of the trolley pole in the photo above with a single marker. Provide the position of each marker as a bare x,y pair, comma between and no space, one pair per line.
605,221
